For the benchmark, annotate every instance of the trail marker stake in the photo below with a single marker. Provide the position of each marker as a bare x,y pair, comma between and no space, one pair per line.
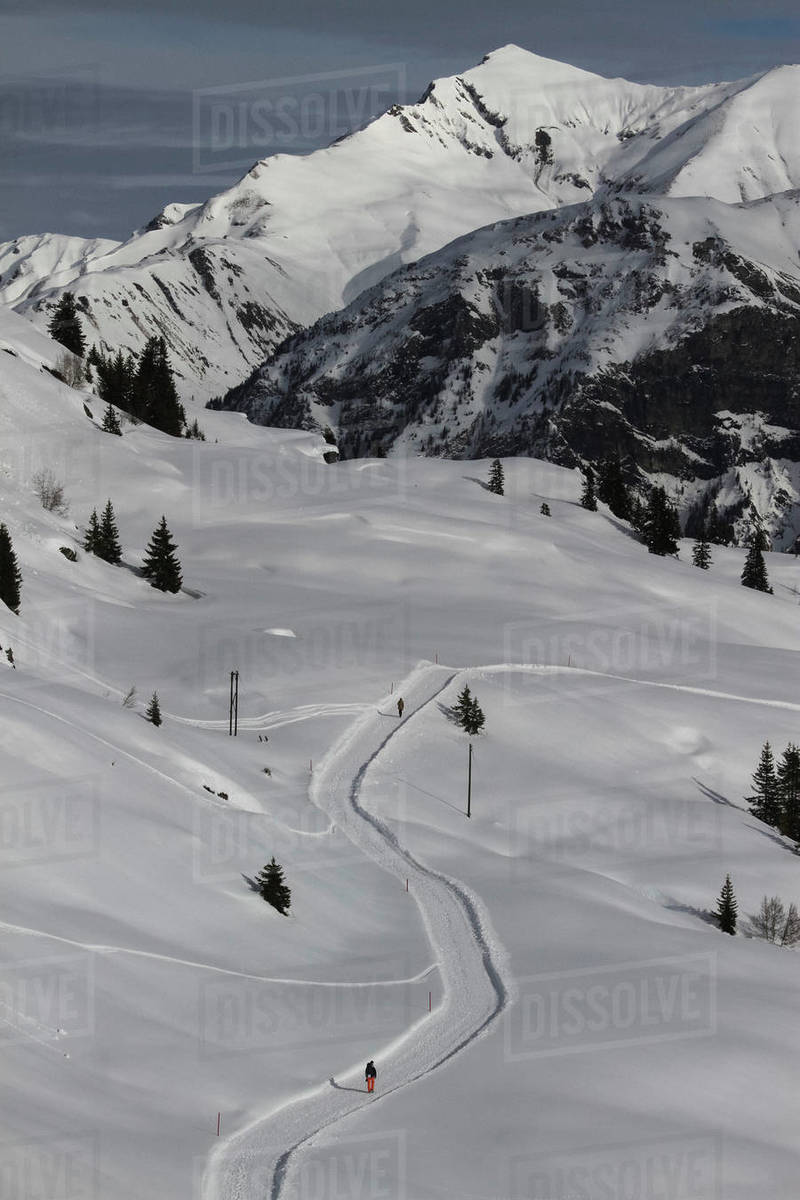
219,1115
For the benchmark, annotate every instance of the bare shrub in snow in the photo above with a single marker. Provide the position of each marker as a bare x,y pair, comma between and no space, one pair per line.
50,492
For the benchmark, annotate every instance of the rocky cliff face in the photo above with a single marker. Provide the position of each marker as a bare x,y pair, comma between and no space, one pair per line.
666,327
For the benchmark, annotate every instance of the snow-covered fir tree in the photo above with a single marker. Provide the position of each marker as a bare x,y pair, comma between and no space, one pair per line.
273,888
161,564
65,326
727,907
153,710
497,479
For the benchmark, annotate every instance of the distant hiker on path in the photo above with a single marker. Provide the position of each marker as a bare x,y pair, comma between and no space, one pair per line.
400,706
371,1074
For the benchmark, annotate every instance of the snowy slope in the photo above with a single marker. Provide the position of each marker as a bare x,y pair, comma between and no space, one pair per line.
662,326
145,988
225,281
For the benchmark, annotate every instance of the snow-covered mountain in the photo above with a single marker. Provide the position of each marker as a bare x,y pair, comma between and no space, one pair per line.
666,327
297,237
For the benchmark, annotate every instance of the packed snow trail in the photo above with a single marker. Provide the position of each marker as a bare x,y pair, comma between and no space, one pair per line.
263,1160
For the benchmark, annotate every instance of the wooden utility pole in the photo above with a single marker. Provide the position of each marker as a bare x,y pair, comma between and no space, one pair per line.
233,714
469,783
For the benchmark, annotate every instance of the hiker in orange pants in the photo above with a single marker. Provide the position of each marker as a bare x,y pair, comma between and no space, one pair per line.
370,1075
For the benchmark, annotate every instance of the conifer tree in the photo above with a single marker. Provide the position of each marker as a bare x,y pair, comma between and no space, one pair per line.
661,527
111,421
497,478
611,487
272,888
701,553
65,327
91,538
754,572
765,800
588,495
462,704
788,774
161,565
474,720
10,574
155,397
153,710
727,907
108,547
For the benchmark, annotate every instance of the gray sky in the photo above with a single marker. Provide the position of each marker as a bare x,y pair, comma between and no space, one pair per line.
110,110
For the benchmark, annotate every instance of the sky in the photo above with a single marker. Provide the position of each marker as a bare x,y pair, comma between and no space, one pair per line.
110,110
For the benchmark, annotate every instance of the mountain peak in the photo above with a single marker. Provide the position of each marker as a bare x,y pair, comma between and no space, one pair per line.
512,58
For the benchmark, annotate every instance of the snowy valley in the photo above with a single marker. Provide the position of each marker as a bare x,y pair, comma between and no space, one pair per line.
550,1005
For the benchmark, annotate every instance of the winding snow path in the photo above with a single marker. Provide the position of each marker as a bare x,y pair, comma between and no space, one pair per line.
262,1161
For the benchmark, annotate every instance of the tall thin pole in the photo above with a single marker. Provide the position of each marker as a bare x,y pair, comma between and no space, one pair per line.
233,711
469,783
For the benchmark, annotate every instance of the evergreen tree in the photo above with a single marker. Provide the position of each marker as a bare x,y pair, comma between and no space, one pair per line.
10,575
108,547
661,526
588,495
726,907
611,487
462,705
545,510
474,720
115,378
788,774
765,801
754,572
111,421
497,478
153,710
638,515
272,888
161,565
701,553
65,326
91,538
155,397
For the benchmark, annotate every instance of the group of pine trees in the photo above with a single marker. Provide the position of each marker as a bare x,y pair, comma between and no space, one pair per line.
776,791
10,574
102,536
658,524
160,564
143,386
468,713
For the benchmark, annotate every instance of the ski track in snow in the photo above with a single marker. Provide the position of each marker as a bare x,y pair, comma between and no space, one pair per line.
264,1159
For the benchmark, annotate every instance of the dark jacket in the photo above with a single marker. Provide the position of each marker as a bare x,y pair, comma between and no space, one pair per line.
370,1072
